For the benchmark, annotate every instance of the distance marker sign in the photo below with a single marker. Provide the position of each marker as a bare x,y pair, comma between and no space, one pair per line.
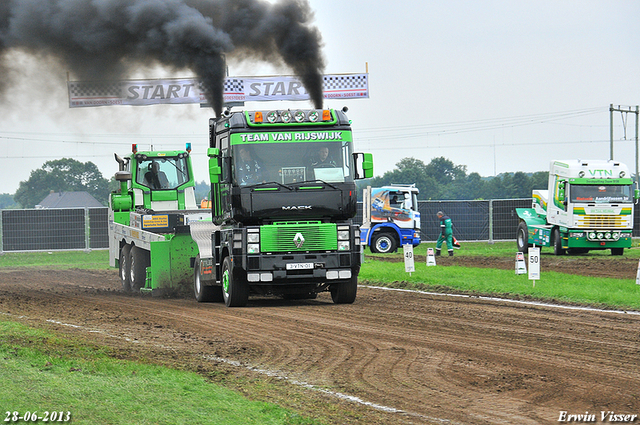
408,258
534,264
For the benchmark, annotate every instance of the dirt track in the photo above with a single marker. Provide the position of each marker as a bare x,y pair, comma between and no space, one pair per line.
414,358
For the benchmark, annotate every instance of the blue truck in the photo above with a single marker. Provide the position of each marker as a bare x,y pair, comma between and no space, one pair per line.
390,217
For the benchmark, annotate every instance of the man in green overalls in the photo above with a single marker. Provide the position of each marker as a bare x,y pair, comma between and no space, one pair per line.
446,234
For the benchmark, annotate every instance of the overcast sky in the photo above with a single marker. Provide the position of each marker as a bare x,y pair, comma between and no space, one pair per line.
498,86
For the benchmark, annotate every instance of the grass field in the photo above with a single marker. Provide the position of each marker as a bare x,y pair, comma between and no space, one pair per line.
553,286
44,373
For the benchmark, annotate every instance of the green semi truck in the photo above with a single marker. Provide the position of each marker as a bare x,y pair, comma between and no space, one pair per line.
283,196
588,206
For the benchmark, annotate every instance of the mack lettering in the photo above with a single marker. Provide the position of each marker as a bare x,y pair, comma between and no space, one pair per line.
296,207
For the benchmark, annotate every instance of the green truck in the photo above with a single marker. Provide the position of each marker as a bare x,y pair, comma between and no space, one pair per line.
283,197
588,206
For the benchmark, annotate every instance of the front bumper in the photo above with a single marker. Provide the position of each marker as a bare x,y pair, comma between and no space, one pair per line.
296,268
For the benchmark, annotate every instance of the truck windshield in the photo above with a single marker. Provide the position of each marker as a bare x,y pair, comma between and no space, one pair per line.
289,163
162,172
601,194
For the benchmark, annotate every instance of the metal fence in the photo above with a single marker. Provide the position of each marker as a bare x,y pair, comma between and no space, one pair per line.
87,228
54,229
484,220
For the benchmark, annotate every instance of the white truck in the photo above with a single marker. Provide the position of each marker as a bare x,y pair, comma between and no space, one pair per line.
390,217
588,205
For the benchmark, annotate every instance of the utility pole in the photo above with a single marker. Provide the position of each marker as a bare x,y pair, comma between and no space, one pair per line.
624,109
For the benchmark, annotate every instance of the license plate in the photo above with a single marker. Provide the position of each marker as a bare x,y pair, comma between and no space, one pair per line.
299,266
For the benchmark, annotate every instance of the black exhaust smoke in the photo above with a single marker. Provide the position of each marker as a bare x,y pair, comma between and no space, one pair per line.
106,39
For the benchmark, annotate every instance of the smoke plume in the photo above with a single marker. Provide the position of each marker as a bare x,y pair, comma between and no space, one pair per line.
109,39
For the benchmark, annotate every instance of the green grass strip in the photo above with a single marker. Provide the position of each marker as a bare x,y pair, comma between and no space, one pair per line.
506,249
42,372
95,259
597,291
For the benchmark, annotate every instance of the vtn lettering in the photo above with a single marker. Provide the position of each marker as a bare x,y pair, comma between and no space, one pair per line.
601,173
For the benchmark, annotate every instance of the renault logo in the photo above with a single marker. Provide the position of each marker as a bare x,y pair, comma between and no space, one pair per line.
298,239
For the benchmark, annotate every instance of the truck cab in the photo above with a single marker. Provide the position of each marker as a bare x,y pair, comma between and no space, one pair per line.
390,217
588,205
283,193
150,219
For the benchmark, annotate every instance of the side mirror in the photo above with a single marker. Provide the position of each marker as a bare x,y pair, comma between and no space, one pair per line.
215,170
363,165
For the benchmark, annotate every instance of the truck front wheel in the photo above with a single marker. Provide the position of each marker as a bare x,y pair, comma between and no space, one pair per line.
522,237
383,243
557,243
125,267
235,290
345,292
204,294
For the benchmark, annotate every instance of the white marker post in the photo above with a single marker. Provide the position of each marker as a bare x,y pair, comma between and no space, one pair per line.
431,257
521,266
407,250
534,264
638,274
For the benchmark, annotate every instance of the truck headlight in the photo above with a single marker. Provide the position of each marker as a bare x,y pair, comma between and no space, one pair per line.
343,245
343,235
253,237
253,248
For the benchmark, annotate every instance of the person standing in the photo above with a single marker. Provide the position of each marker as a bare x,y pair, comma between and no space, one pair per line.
446,234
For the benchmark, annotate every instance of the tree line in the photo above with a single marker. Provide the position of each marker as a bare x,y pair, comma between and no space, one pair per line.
439,179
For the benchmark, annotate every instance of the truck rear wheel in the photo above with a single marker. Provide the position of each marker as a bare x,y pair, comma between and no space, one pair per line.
345,292
125,267
203,293
383,243
235,290
557,243
140,260
522,237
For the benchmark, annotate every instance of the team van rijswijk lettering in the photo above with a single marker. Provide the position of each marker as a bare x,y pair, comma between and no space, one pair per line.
606,416
284,137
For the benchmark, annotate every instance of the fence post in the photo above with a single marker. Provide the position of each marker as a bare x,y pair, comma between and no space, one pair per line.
1,233
491,241
87,231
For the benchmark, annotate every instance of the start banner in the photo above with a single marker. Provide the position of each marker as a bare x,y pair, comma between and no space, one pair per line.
186,90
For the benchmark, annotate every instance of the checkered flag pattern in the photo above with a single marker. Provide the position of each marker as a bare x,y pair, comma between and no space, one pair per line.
346,82
81,89
234,86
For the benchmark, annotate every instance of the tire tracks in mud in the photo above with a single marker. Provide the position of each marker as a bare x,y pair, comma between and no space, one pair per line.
439,358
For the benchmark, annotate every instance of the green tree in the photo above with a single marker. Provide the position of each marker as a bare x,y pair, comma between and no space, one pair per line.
6,201
62,175
410,171
445,171
539,180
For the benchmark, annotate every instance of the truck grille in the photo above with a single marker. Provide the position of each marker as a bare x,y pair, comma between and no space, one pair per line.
602,221
298,237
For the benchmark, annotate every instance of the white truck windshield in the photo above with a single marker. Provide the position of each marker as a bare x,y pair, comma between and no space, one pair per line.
601,194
